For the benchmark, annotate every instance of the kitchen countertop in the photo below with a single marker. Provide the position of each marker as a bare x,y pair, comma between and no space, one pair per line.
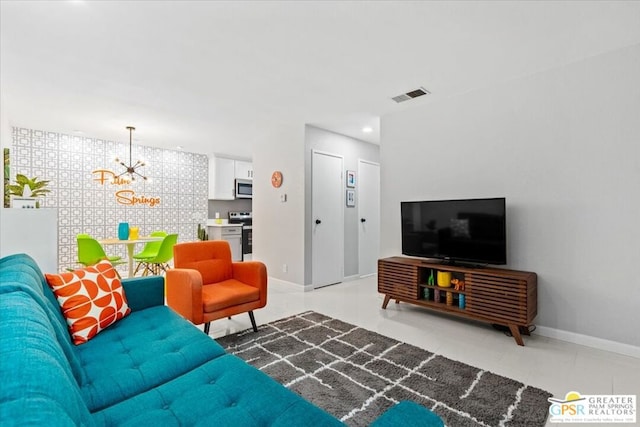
212,223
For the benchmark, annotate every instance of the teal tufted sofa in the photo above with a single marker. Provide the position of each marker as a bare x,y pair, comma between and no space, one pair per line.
151,368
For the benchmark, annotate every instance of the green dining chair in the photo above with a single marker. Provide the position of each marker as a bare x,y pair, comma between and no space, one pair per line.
149,251
90,251
160,263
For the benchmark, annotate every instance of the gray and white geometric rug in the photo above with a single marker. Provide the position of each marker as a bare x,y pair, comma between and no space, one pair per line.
356,374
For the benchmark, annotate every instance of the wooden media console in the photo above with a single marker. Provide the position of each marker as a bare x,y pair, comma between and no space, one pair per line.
493,295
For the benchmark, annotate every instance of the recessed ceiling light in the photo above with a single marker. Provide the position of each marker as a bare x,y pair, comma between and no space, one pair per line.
367,129
179,147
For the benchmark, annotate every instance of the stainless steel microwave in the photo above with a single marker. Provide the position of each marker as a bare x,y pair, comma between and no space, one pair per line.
244,189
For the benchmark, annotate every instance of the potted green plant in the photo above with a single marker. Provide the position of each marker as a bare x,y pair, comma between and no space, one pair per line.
26,187
202,233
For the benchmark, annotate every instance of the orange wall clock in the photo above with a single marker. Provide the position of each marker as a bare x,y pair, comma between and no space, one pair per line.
276,179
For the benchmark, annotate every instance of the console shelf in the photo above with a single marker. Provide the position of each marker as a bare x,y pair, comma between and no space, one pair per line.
493,295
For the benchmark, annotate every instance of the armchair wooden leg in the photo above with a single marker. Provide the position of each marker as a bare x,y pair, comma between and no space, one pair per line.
253,321
206,327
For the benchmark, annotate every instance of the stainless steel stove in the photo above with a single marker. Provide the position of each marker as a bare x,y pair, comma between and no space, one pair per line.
246,220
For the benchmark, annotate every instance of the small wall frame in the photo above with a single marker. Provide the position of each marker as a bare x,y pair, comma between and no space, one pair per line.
351,198
351,179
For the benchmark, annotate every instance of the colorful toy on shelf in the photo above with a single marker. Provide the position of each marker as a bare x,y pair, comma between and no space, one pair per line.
444,279
459,284
431,281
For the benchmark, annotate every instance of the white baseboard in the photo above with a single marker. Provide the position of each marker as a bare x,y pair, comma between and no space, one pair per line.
589,341
344,279
297,286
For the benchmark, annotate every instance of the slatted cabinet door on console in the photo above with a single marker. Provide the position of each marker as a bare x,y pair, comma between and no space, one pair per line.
492,295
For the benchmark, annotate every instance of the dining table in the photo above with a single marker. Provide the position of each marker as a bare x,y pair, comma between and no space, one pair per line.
130,243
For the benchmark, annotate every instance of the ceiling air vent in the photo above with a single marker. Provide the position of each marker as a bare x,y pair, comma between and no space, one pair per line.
410,95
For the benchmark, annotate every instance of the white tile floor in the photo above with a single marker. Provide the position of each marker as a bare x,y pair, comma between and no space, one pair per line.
554,365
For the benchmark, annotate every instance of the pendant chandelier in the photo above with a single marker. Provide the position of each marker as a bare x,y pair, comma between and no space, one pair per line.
131,168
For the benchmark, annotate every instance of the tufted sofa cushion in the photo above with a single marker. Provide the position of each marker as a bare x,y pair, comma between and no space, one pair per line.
26,264
32,360
21,273
408,413
229,391
141,351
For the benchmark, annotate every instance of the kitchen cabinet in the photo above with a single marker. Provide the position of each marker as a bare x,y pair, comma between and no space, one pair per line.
232,233
223,172
243,170
221,178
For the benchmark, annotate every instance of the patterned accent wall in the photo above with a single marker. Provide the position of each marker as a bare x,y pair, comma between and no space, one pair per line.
85,205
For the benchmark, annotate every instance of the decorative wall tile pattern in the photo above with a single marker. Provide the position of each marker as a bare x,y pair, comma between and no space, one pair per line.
85,205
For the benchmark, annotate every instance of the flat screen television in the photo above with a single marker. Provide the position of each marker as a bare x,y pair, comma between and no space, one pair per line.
472,230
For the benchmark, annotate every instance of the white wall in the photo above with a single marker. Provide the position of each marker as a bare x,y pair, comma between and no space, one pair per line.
5,138
5,129
563,147
278,228
31,231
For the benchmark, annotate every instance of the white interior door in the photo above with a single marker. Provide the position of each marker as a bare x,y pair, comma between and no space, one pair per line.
368,217
327,221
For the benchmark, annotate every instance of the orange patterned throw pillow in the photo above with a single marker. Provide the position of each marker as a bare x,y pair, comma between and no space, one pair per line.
91,298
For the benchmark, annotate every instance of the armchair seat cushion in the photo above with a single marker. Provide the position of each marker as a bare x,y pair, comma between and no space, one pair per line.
218,296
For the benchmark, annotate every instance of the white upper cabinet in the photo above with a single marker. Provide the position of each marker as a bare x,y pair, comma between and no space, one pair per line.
222,175
221,178
244,170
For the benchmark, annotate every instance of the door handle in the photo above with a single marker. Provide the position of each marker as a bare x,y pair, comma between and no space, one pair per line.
363,220
318,221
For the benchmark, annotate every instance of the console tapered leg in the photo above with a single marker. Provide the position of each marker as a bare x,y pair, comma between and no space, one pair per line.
515,332
386,301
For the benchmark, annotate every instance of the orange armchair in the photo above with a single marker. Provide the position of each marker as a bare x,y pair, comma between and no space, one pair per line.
206,285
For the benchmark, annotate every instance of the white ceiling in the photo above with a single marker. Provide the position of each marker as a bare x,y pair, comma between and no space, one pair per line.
213,76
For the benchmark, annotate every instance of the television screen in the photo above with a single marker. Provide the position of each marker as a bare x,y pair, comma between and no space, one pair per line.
472,230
